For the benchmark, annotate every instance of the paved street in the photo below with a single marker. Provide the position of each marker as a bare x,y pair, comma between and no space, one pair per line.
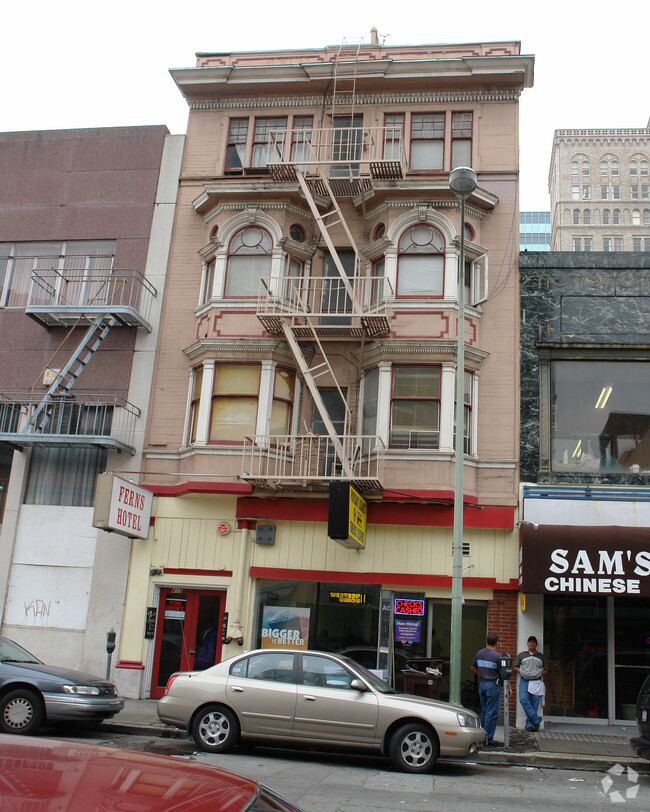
320,782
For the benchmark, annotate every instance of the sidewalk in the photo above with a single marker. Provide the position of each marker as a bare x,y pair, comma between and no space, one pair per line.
568,746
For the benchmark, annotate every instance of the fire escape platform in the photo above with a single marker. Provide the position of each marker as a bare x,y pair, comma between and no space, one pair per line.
83,421
80,298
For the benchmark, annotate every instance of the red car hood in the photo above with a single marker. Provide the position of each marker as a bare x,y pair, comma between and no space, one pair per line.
78,777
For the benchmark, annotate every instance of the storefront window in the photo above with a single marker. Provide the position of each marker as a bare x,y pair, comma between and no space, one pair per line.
575,645
333,617
600,416
631,653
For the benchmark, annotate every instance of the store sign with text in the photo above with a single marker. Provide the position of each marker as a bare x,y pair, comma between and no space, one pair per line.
568,560
122,507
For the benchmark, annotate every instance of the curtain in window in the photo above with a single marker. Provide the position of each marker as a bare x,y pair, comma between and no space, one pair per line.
234,403
64,476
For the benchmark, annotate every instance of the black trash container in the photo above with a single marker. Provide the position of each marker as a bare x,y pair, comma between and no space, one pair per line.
418,681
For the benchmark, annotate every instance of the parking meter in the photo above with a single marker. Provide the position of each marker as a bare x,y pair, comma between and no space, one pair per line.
110,648
505,673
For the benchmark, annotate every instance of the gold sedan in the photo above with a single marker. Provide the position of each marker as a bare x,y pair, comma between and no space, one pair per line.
316,700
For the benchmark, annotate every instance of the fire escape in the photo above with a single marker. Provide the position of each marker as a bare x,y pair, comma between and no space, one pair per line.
329,165
98,302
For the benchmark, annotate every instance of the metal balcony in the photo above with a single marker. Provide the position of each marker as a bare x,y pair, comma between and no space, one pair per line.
308,463
86,421
321,304
350,157
76,298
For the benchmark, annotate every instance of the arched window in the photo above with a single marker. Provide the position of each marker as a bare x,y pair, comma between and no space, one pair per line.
646,217
421,262
576,217
638,166
606,217
616,217
580,165
249,260
586,217
636,217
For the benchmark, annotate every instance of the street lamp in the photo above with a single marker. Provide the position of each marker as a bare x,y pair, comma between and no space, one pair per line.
462,182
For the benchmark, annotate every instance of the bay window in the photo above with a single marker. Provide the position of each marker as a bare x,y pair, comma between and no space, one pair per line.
249,260
415,407
421,262
235,395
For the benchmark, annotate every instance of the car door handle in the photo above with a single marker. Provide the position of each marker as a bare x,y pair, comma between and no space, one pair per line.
237,690
309,698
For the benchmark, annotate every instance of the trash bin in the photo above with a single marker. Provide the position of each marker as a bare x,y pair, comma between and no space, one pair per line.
418,681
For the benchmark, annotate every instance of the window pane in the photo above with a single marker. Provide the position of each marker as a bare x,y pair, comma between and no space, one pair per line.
370,396
601,418
280,417
245,273
426,154
64,476
242,380
283,383
233,418
461,153
420,275
416,382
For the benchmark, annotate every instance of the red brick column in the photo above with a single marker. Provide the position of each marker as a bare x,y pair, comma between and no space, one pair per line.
502,620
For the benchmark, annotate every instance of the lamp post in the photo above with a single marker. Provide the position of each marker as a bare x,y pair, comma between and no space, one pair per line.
462,182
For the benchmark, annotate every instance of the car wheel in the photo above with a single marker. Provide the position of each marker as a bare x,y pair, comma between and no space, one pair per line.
21,711
215,729
414,749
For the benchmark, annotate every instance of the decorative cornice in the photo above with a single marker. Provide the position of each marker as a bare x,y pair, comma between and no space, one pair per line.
257,346
431,203
361,100
247,204
376,350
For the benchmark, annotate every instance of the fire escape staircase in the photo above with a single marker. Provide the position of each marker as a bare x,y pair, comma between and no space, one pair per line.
303,328
58,418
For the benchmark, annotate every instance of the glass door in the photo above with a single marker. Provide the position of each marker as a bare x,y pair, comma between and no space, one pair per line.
631,654
188,633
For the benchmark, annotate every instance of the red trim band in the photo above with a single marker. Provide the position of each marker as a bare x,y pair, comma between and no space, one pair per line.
401,578
404,513
185,488
135,665
183,571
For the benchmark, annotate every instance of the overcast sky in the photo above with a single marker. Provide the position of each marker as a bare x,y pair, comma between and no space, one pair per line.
77,64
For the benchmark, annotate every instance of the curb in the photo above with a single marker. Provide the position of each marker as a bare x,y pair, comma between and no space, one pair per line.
563,761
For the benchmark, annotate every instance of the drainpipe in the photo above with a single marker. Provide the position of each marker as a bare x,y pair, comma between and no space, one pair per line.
236,629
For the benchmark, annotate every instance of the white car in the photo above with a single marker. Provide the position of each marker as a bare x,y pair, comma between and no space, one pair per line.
316,700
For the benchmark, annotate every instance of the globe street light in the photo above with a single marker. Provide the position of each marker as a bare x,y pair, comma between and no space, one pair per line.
462,182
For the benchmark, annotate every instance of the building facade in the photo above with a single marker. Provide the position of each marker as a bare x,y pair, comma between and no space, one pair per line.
585,467
305,374
85,226
600,190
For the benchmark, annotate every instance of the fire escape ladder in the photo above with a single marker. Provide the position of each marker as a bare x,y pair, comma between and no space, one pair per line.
310,374
345,77
73,367
325,222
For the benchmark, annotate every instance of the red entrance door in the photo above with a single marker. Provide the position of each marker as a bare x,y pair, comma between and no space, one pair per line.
188,633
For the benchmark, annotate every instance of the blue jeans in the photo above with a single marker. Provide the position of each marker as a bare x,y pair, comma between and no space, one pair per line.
530,703
490,696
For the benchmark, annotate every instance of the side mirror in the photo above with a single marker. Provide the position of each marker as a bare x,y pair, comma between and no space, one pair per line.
358,685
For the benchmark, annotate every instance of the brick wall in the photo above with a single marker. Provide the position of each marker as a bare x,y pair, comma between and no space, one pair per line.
502,620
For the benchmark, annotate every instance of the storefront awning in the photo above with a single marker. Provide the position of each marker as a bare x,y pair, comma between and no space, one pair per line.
572,560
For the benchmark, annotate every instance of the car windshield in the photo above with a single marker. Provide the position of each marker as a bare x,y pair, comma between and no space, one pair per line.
377,683
11,652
